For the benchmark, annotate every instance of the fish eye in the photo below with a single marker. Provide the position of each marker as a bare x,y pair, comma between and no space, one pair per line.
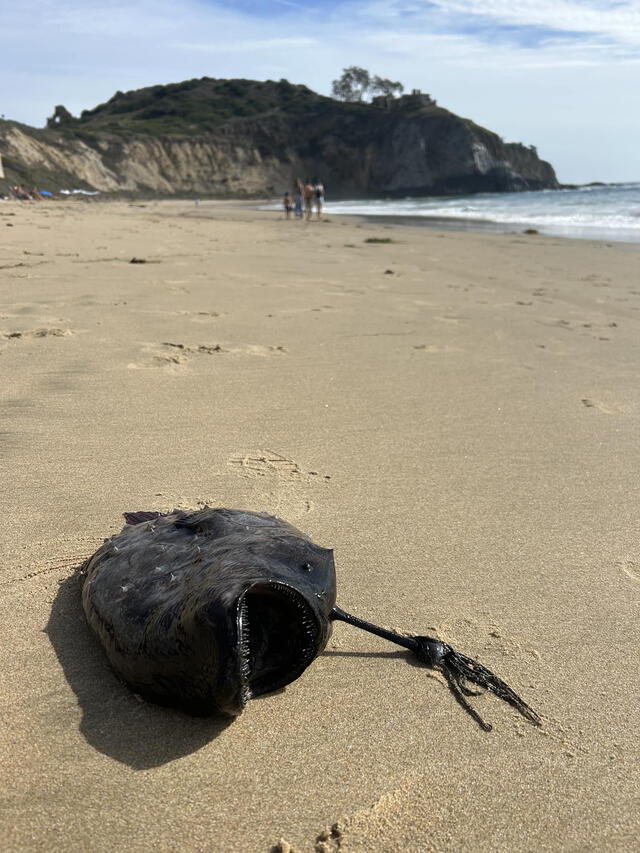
306,567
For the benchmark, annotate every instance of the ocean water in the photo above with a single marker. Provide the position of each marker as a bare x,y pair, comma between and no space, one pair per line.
610,212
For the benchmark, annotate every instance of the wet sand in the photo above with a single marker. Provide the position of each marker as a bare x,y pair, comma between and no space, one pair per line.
457,414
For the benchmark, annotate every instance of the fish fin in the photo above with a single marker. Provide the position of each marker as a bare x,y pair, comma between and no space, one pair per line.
460,670
142,516
203,521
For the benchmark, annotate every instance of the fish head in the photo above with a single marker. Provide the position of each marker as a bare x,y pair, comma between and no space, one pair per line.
273,621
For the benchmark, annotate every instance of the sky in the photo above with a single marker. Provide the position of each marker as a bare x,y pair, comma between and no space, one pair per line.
563,75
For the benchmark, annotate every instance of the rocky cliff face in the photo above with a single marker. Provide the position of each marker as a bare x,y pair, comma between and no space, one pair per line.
410,147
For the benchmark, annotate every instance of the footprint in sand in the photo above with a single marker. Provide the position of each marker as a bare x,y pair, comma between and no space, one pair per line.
450,318
212,349
258,349
381,825
19,264
596,280
317,310
345,291
607,408
174,356
200,316
278,482
201,349
630,569
265,463
557,323
436,348
178,355
38,333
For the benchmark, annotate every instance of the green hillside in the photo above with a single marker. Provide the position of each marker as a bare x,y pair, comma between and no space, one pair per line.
202,105
197,106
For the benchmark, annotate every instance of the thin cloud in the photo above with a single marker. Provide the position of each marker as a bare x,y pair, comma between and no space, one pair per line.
541,21
249,45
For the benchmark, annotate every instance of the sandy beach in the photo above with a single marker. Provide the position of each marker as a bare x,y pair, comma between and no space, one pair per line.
456,414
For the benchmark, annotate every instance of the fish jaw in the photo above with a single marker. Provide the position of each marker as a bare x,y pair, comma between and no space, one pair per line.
279,633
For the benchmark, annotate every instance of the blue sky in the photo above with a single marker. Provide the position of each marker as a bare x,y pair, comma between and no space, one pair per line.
563,75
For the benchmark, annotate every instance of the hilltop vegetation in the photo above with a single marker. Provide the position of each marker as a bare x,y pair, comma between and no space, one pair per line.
199,106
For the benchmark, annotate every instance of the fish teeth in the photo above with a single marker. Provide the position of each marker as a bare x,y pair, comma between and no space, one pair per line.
244,646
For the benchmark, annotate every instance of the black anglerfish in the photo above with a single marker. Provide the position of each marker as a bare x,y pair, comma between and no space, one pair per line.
205,610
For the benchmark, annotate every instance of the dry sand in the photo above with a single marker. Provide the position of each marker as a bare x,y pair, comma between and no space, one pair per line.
456,414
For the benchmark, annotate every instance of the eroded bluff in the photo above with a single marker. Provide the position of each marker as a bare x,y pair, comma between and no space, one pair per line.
408,147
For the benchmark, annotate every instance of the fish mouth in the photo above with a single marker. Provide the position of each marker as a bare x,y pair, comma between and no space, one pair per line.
278,637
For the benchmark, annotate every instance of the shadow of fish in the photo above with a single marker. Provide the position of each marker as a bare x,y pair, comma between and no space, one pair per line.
205,610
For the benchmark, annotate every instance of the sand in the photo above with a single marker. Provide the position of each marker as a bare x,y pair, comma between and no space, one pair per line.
456,414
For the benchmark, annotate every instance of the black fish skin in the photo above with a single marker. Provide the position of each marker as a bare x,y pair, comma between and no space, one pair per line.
163,597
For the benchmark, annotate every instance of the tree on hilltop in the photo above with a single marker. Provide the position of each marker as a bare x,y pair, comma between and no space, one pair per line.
355,83
384,86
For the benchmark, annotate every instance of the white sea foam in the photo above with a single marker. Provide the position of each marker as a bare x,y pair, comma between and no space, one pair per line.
601,212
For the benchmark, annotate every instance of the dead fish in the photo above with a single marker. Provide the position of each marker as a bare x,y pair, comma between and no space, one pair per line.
205,610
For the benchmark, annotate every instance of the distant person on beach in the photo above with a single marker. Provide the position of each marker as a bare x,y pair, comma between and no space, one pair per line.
318,197
20,193
287,204
297,198
309,195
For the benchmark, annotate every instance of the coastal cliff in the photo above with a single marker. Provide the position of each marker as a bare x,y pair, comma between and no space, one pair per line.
244,139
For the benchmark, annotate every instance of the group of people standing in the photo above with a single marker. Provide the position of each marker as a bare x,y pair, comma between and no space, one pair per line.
306,197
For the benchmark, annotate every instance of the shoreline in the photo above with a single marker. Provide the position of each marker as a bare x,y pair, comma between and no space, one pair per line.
476,225
431,223
486,226
484,223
